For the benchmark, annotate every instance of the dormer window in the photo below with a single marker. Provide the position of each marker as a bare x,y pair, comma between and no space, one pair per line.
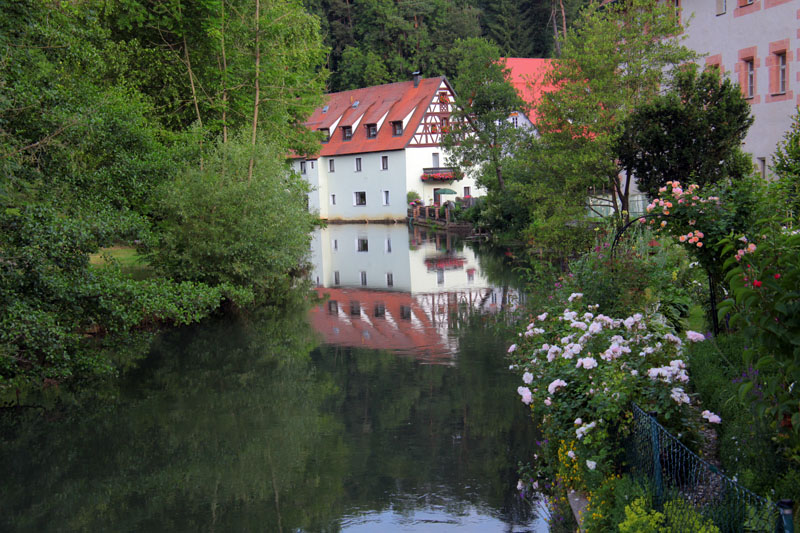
397,128
326,134
372,131
347,132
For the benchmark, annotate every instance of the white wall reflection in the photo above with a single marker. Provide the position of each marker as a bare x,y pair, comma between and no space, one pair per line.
397,289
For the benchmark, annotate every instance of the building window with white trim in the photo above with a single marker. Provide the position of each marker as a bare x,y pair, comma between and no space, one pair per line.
372,131
331,166
362,245
782,73
360,198
358,164
384,162
467,192
385,197
302,167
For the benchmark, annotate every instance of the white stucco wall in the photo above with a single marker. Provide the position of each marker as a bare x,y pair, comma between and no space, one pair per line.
422,157
372,180
759,25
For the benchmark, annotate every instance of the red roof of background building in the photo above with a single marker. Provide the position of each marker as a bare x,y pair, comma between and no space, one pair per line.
397,99
527,76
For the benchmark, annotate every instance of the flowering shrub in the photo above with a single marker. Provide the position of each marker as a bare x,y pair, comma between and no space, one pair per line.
580,372
765,304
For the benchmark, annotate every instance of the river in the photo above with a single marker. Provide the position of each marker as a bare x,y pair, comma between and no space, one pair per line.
386,407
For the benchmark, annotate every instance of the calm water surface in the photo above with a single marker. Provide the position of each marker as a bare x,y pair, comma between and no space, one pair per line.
386,407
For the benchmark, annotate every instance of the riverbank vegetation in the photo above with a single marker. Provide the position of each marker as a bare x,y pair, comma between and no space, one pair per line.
161,129
613,329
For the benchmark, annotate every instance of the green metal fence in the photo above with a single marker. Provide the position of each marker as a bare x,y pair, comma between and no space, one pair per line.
694,491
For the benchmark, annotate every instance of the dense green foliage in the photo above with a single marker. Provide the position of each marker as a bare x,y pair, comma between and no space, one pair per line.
693,133
124,122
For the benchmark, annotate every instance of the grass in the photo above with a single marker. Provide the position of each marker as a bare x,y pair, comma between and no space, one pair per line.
697,318
126,257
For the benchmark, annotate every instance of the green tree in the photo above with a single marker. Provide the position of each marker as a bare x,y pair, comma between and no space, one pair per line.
220,226
616,58
787,168
481,135
693,133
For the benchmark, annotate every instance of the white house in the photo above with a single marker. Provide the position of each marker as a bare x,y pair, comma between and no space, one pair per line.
382,142
756,43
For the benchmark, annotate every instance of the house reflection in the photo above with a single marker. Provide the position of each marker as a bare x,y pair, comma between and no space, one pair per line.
392,288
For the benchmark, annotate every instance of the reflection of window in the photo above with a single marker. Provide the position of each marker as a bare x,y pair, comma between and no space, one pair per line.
335,245
470,275
333,307
389,279
336,278
388,246
360,198
355,308
440,276
385,197
362,245
380,310
363,278
405,312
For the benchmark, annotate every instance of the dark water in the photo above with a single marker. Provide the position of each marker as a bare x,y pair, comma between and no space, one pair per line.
265,423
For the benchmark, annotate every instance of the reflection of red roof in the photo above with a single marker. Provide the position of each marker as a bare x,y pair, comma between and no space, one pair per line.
394,100
527,76
445,263
395,330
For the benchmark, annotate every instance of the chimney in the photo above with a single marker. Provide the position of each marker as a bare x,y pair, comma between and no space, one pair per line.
417,79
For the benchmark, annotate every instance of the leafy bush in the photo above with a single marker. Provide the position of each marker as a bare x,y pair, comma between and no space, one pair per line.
581,371
221,228
678,516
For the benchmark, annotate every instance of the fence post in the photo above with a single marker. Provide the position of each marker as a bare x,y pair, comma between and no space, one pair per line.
785,522
657,481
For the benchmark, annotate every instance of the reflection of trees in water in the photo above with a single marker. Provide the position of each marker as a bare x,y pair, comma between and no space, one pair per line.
221,428
231,426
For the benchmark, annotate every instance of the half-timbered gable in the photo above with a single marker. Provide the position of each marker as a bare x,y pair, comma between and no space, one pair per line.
436,119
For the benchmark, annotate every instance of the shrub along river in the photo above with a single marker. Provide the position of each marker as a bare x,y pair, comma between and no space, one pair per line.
387,406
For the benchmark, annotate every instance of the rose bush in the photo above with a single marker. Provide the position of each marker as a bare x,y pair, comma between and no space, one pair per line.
581,370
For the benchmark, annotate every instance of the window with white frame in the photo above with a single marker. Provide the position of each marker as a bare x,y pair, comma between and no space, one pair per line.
467,191
782,72
362,244
385,197
435,160
302,167
331,166
360,198
372,131
347,133
358,164
384,162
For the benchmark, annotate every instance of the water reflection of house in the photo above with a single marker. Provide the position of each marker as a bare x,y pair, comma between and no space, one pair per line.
400,291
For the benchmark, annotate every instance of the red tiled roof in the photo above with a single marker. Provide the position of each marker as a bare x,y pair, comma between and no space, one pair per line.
396,99
528,76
